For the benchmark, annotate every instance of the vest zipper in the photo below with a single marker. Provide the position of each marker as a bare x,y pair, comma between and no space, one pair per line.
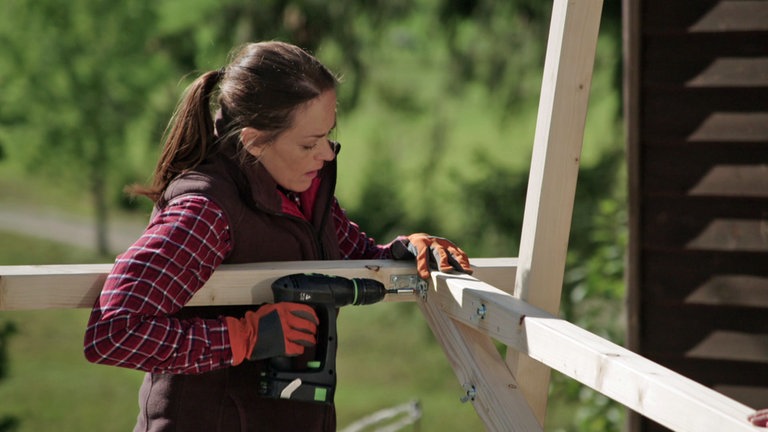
326,212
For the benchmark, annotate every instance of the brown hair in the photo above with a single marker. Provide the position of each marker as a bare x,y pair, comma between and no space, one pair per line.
262,87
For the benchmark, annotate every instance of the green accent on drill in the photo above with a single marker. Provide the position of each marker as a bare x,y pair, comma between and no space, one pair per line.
354,283
321,394
314,364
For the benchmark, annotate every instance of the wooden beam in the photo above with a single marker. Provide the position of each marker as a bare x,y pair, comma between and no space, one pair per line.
554,169
486,380
78,286
650,389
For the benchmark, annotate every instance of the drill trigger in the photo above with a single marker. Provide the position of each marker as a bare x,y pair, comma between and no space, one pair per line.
290,388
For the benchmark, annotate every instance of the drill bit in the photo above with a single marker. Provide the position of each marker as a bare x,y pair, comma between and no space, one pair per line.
398,291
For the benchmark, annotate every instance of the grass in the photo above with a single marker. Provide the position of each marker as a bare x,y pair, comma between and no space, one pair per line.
50,386
389,357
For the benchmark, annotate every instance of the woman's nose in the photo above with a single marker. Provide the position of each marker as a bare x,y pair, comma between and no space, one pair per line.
327,153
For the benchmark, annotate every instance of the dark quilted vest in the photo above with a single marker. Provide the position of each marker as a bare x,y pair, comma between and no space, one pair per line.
226,400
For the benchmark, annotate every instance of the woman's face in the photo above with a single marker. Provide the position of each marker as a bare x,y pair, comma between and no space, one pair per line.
296,156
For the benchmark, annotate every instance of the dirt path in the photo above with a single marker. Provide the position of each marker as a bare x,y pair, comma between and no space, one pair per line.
64,228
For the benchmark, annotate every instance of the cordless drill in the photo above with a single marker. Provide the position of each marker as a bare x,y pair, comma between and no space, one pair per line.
315,380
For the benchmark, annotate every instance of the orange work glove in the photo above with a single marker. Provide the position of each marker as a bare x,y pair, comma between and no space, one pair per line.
435,252
280,329
760,418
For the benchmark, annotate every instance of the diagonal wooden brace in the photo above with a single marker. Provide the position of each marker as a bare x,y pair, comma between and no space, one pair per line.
650,389
481,370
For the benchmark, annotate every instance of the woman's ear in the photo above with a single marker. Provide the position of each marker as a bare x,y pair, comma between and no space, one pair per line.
252,140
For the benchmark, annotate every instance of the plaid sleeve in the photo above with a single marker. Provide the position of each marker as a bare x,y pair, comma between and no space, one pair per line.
353,242
131,324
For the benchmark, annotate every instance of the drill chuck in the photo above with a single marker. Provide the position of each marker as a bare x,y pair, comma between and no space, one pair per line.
368,291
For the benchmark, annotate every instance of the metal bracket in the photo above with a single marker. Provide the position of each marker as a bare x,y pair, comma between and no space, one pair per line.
410,282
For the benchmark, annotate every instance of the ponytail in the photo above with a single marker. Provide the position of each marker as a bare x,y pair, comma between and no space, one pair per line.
261,88
189,137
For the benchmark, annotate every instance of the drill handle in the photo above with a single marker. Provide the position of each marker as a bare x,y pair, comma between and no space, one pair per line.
314,380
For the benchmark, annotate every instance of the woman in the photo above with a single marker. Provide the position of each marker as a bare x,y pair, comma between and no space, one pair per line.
257,184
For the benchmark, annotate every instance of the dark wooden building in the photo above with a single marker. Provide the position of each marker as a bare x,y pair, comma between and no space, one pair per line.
696,91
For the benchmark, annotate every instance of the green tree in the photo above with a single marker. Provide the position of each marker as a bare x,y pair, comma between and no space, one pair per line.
88,86
76,77
198,34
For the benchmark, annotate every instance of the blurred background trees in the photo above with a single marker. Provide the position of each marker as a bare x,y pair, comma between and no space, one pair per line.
436,118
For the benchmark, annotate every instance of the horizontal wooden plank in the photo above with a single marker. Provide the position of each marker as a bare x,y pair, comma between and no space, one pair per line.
732,72
710,72
679,329
712,262
732,345
679,46
78,286
730,115
733,126
715,168
706,15
731,235
727,294
671,275
673,220
734,180
645,387
726,183
726,234
733,16
732,290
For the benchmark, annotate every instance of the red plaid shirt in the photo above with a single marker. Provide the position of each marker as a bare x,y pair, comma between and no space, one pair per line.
131,325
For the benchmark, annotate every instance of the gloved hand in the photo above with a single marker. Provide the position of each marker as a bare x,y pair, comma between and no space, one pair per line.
280,329
430,251
760,418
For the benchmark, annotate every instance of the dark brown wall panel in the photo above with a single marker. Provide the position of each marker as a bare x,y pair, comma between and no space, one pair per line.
698,145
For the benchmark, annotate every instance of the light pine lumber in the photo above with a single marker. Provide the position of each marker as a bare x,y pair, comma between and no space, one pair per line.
555,158
78,286
650,389
479,366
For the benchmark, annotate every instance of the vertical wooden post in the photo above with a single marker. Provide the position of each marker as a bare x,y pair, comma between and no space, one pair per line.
630,22
554,169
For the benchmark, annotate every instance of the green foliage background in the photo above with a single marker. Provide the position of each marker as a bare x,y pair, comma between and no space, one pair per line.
436,118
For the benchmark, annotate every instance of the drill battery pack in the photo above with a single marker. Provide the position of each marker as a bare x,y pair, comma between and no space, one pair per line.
296,389
309,380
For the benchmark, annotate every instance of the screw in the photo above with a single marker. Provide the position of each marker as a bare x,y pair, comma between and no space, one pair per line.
481,311
470,396
422,288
